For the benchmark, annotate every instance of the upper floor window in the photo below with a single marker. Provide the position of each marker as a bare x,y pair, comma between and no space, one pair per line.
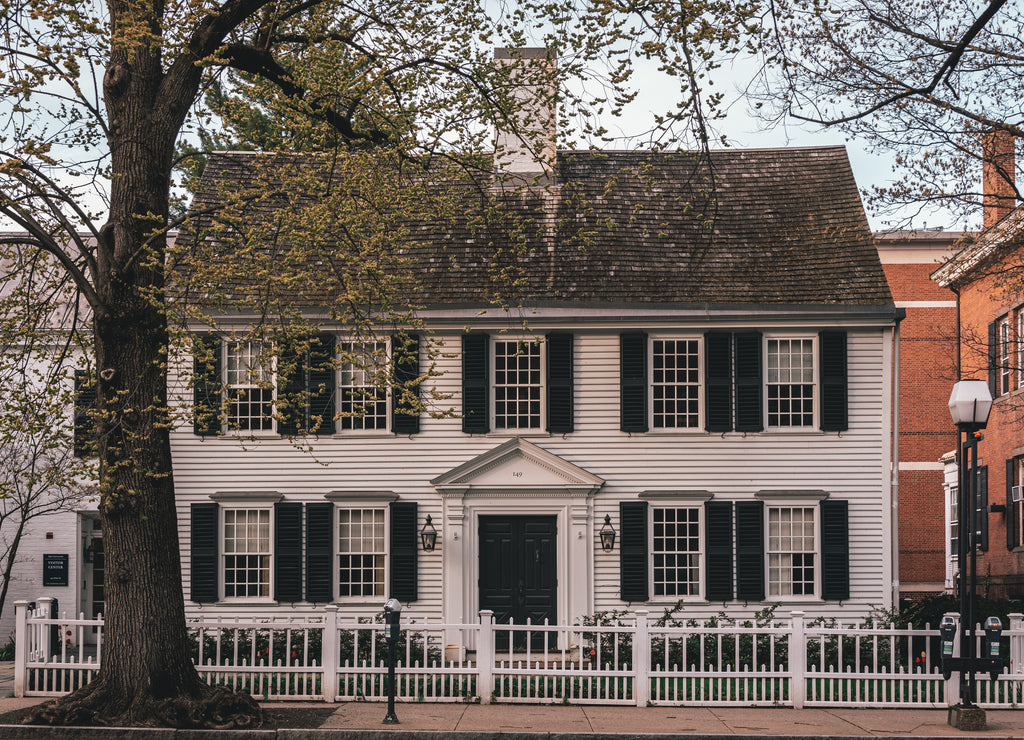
790,382
362,396
513,384
1020,348
1015,503
1004,343
249,381
675,383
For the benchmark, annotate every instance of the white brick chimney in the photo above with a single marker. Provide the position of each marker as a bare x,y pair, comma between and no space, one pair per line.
526,148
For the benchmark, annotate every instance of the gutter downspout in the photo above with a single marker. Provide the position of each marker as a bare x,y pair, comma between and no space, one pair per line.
896,464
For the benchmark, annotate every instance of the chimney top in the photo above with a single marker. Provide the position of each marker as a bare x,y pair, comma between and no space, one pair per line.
998,171
525,149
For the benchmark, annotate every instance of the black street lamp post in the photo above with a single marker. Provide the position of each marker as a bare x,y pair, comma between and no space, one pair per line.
969,404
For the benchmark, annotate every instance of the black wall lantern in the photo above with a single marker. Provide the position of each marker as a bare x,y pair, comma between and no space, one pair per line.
429,536
607,534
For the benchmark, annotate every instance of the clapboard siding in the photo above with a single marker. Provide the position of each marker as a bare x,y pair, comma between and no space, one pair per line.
852,465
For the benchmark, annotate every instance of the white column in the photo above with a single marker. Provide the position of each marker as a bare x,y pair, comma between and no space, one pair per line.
20,646
1016,642
797,661
641,660
485,656
329,653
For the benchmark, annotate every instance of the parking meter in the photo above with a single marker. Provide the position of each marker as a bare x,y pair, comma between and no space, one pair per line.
947,631
392,617
392,627
993,634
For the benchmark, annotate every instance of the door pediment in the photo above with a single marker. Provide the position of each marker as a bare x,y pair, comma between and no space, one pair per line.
520,466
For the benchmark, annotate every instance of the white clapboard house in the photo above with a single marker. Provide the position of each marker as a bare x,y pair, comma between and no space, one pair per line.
712,385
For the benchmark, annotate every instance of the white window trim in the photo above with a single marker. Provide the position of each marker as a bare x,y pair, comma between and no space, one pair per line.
227,427
1003,354
701,390
348,504
809,499
815,424
234,503
492,344
680,502
339,415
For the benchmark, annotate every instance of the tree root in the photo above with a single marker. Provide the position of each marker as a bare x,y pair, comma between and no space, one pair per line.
95,705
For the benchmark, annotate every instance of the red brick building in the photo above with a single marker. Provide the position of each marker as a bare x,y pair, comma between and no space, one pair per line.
988,276
927,367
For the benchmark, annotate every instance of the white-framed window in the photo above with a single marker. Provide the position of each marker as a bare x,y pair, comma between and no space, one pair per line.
676,546
247,552
362,400
790,382
792,550
1020,347
675,382
1017,513
249,370
518,383
362,551
1003,352
954,523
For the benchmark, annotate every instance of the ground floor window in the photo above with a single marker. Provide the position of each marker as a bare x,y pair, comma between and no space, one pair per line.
792,550
247,551
676,550
361,552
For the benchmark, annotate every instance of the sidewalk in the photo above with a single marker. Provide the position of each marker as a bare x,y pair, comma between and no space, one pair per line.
363,721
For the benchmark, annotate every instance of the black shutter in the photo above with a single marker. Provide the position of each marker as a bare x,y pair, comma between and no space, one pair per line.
718,384
320,570
750,550
559,383
1010,519
321,384
981,508
207,384
835,550
718,560
404,578
749,383
287,551
633,382
291,386
834,384
633,551
306,387
405,352
85,420
205,553
475,390
993,359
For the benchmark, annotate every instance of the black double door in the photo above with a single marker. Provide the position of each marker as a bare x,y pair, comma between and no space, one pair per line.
517,574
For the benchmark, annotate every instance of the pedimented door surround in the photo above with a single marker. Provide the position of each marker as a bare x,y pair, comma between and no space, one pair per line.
517,478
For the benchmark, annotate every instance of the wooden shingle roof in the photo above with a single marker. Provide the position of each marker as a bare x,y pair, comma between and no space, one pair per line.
769,226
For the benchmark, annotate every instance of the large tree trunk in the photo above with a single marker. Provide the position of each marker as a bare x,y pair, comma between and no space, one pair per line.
147,675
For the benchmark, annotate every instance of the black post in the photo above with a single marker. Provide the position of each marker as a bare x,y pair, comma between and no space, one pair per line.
967,556
391,718
972,652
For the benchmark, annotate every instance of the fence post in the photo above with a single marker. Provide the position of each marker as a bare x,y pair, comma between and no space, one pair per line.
329,653
797,660
485,656
953,682
1016,642
43,607
20,646
642,660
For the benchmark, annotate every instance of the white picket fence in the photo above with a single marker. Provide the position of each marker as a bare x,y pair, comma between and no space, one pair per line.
316,655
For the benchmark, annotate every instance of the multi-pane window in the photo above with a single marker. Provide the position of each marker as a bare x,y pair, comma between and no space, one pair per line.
790,382
361,552
250,386
1003,335
246,553
791,550
518,384
1020,348
1017,513
675,383
362,398
675,551
954,522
